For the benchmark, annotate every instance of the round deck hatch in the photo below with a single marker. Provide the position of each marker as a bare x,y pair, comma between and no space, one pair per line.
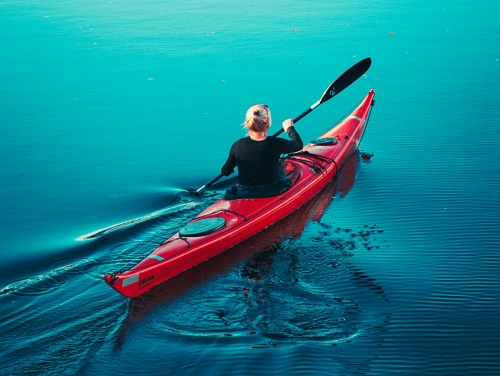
203,227
325,141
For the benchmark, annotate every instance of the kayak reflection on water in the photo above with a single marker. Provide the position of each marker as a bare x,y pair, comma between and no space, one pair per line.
270,239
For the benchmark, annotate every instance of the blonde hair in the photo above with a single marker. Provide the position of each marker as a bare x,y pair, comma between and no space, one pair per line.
258,118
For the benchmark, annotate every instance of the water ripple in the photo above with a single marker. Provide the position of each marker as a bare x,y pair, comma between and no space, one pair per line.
290,294
47,282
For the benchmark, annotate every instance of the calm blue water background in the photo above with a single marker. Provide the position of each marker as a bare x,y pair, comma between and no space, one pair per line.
111,110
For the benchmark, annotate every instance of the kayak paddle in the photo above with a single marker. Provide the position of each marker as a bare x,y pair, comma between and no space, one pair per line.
339,84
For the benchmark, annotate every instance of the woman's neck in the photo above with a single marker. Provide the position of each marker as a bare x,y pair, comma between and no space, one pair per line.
257,136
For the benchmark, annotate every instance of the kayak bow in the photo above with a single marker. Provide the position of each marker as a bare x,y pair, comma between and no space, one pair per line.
227,223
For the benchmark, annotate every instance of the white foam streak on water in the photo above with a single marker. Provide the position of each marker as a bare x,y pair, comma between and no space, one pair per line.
131,222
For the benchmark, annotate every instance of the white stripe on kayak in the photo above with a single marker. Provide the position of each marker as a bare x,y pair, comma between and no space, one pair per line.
129,281
355,117
159,258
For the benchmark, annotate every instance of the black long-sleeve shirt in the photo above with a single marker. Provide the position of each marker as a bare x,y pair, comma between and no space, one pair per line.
258,161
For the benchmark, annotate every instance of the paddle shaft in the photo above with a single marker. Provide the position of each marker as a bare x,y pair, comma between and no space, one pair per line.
298,117
199,190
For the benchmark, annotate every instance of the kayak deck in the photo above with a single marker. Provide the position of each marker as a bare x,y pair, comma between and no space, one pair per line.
227,223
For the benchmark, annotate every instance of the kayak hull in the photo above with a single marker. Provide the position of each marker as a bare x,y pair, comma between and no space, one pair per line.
227,223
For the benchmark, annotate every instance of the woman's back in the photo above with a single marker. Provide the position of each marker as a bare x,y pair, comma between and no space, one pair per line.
258,161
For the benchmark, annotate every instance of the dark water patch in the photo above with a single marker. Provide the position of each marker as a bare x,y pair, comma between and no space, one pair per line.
60,355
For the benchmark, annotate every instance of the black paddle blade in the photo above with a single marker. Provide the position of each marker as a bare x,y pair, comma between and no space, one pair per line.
346,79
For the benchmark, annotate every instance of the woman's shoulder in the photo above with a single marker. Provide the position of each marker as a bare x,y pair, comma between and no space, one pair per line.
241,142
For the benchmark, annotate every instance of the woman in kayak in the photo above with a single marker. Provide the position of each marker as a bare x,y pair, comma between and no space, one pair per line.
257,156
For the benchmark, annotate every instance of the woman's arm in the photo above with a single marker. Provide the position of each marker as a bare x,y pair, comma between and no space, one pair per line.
230,164
296,142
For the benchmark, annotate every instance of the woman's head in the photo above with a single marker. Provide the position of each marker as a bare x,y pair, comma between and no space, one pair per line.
258,118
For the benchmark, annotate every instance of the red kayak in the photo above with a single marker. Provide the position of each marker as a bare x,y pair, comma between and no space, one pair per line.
227,223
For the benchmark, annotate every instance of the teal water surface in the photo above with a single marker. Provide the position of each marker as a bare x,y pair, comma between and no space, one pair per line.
112,110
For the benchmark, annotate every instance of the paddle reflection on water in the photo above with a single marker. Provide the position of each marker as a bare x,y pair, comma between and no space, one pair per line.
275,314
